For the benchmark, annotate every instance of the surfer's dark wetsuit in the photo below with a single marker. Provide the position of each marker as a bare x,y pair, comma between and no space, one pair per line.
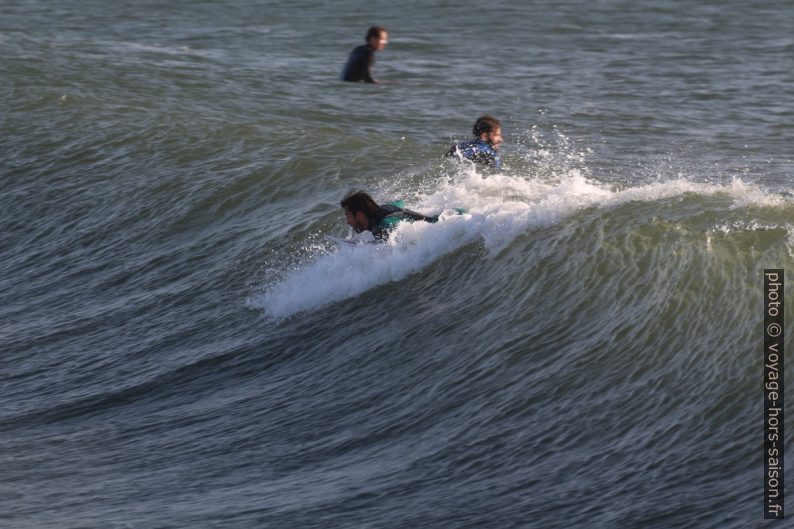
388,216
478,151
359,65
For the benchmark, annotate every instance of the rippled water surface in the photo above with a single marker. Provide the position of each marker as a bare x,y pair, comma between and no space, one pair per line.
182,346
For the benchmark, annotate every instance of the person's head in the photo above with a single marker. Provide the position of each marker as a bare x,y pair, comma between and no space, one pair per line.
489,130
359,210
377,37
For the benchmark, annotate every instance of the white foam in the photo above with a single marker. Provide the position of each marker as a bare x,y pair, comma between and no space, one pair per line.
500,208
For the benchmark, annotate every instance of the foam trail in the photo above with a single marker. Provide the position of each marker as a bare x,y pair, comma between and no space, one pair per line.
500,208
352,270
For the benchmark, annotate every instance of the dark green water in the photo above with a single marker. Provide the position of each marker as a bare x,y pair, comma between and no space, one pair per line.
182,347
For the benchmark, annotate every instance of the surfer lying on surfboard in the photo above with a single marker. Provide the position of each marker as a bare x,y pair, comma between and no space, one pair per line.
363,214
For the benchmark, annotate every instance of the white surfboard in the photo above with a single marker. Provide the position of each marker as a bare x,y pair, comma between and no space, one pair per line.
342,241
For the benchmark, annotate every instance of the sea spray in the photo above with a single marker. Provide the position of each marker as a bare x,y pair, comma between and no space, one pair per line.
499,207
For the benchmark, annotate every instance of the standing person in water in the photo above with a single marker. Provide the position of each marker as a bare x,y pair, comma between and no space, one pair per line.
359,64
484,147
363,214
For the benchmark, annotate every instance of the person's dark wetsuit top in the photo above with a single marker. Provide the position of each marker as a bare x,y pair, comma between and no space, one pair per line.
478,151
388,216
359,64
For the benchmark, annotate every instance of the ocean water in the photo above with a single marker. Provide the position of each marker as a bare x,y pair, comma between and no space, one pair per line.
182,346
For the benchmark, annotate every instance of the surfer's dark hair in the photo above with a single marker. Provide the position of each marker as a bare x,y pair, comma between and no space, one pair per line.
375,31
360,201
486,125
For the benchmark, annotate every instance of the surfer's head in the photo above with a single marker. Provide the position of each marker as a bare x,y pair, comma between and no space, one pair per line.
377,37
489,130
359,209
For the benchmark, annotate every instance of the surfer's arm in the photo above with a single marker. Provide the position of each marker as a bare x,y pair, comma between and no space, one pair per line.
368,72
495,161
489,156
413,215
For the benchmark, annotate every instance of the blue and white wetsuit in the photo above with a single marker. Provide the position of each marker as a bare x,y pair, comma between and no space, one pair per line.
478,151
